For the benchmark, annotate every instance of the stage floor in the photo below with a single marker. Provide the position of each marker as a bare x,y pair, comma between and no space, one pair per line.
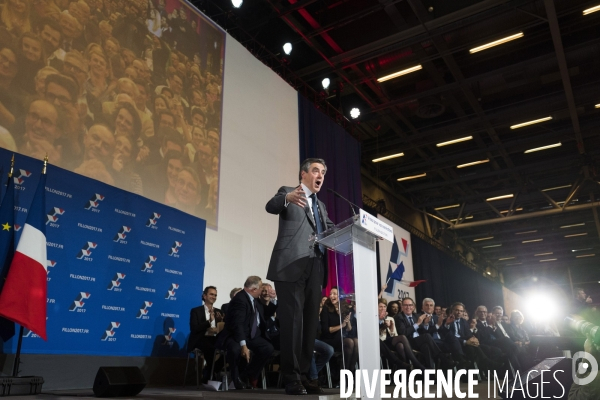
174,393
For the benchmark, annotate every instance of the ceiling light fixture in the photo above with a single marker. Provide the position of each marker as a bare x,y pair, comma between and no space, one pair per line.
516,209
446,207
570,226
543,254
522,233
576,234
388,157
412,177
548,259
506,258
488,272
237,3
355,113
400,73
456,219
287,48
496,42
550,146
491,245
591,10
485,238
574,251
505,196
325,82
473,163
556,188
585,255
463,139
532,240
532,122
597,105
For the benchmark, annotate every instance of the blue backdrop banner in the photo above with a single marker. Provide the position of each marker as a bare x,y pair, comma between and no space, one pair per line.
123,271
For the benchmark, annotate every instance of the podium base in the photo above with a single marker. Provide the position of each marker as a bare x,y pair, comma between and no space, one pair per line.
20,385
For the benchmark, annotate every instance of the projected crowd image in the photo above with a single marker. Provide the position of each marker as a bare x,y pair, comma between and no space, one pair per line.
125,92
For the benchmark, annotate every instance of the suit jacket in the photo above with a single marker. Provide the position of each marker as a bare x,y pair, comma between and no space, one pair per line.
485,334
463,330
198,326
432,327
404,327
238,320
296,226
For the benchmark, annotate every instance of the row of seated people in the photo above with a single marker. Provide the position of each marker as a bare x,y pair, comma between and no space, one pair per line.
248,323
486,339
246,328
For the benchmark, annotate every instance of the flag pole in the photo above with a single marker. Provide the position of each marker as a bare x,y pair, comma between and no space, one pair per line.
21,330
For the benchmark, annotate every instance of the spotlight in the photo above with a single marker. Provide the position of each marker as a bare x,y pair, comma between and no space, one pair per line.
287,48
542,301
237,3
325,82
355,113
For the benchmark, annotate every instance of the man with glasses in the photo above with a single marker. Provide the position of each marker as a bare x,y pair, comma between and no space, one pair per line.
409,324
41,132
464,332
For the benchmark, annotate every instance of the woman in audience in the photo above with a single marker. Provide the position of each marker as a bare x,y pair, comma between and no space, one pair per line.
127,121
334,319
519,335
393,308
15,17
387,335
197,138
392,341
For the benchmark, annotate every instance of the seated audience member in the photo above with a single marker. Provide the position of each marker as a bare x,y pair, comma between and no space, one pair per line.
335,318
98,145
444,314
447,342
244,332
162,178
204,328
192,147
30,55
322,354
519,335
490,334
409,324
269,302
391,341
233,292
393,308
40,80
464,333
466,316
437,310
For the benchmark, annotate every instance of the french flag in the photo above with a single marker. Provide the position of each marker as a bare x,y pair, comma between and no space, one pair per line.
23,299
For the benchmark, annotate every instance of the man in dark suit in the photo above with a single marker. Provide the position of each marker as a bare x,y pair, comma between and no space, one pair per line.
244,332
203,327
495,335
447,342
299,270
409,324
464,333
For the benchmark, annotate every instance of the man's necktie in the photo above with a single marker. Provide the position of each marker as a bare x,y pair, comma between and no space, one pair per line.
410,319
254,321
318,222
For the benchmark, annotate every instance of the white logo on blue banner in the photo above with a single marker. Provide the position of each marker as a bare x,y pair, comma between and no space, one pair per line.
105,294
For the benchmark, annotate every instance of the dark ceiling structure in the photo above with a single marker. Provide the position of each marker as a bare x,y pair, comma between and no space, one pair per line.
544,226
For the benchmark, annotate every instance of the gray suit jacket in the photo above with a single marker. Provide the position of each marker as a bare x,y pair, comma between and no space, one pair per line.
296,226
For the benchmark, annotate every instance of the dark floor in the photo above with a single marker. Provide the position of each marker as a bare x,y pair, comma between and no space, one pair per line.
174,393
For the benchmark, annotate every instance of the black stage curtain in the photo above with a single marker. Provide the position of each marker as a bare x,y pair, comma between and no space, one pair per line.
449,281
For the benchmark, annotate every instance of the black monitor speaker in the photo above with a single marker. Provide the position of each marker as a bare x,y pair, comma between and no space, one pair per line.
118,381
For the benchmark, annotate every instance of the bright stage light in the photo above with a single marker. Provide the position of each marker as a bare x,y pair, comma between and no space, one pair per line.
325,82
237,3
287,48
541,306
355,113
